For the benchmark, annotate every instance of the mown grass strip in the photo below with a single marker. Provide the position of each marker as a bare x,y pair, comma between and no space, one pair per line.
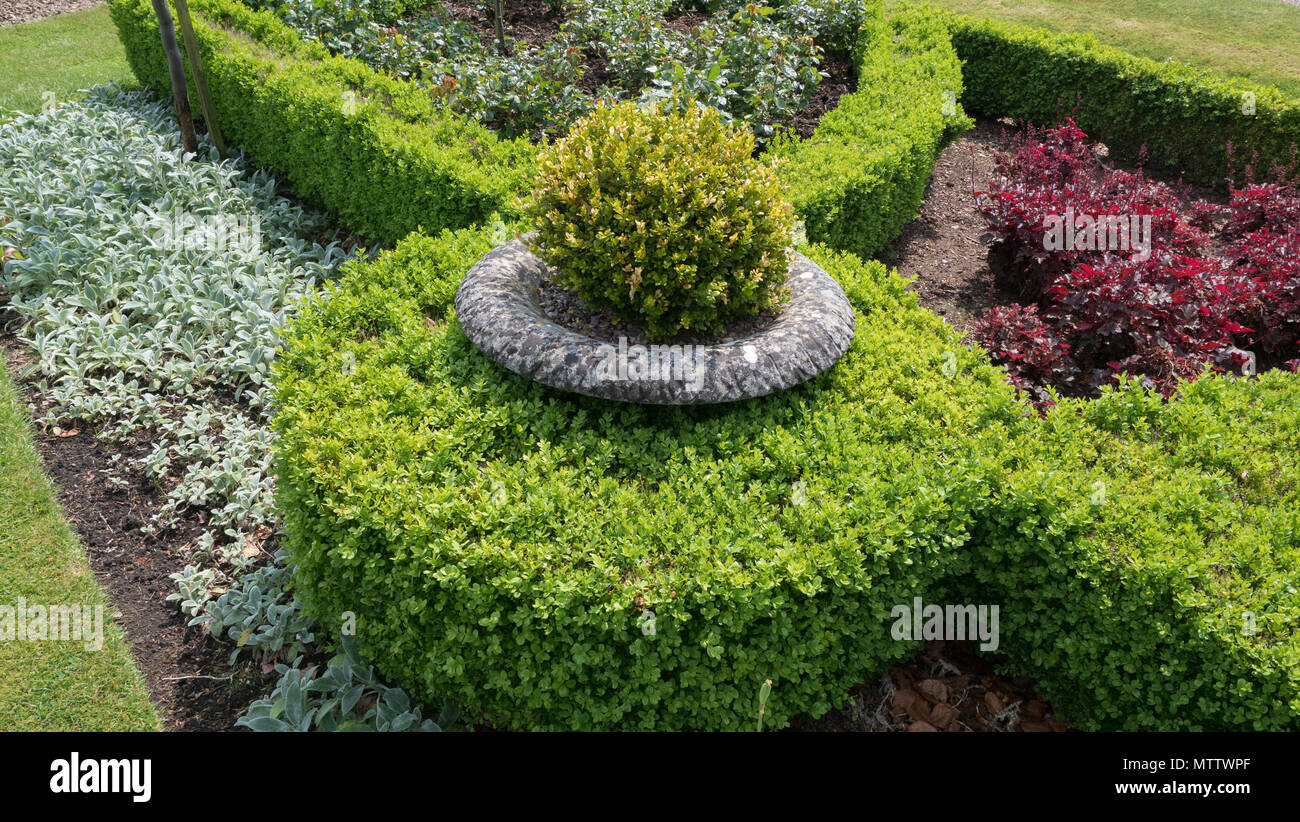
1251,39
49,685
60,55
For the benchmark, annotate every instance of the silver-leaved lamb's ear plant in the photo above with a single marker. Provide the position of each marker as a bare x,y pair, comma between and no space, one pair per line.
172,338
152,291
261,615
346,696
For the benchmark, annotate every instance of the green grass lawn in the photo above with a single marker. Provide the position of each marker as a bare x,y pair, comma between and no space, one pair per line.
54,685
60,54
1257,39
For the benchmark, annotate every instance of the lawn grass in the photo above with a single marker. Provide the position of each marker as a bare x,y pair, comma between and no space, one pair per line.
1255,39
54,685
60,54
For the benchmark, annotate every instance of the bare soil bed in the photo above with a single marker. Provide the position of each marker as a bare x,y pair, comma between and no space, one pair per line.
943,249
189,679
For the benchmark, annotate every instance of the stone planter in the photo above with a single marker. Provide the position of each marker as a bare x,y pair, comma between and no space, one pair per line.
499,308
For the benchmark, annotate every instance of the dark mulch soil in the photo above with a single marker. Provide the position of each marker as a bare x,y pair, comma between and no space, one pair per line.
946,687
529,21
568,310
595,72
189,679
943,247
839,80
685,21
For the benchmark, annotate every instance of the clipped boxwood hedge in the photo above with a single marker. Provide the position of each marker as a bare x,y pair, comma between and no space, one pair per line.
861,176
1147,557
502,543
395,164
1185,117
368,147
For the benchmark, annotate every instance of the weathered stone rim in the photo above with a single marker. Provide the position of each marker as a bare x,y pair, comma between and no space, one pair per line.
498,306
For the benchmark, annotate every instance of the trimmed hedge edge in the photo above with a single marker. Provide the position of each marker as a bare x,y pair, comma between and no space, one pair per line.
861,176
388,168
368,147
503,544
1183,116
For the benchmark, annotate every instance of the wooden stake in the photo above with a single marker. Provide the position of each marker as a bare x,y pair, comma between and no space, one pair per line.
200,77
176,68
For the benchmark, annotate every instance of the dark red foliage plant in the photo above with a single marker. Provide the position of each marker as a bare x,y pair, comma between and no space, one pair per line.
1118,277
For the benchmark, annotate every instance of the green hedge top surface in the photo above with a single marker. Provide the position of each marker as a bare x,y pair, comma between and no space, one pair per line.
1184,117
371,148
1147,557
862,174
553,561
376,151
504,544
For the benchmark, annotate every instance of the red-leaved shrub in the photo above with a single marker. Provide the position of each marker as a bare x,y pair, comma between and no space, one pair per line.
1162,308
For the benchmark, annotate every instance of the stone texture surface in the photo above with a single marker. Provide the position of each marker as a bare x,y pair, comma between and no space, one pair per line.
498,307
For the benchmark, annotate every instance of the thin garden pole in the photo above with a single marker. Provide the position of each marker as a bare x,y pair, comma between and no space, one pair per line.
200,76
500,27
176,68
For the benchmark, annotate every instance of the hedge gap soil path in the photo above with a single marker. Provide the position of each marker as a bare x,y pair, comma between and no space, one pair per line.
189,679
942,248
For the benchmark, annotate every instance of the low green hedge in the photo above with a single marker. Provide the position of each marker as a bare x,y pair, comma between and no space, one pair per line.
396,164
1184,117
1147,557
861,176
364,145
502,543
499,542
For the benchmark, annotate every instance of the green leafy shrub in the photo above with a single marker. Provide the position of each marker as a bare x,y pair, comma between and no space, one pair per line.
862,174
399,161
1146,557
663,214
748,66
1184,118
375,150
553,561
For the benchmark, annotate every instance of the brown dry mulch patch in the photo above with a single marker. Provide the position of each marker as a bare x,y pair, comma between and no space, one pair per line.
943,248
190,682
13,12
946,687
